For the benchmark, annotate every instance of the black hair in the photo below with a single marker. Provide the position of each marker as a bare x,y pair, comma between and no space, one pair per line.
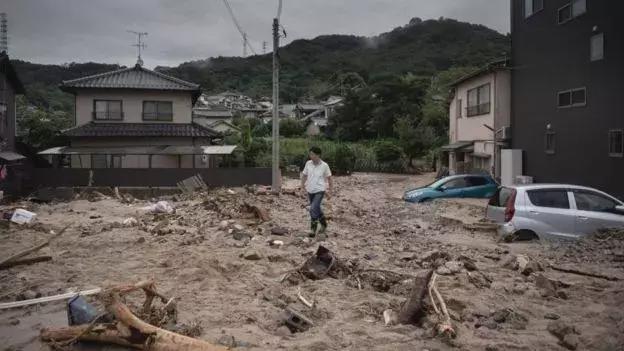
316,150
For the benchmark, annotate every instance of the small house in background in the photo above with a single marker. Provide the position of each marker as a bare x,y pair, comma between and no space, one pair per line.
218,119
135,118
10,160
479,120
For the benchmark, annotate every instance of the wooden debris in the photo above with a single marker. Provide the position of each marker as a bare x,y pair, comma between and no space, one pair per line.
34,248
25,261
304,300
583,273
412,311
129,330
261,213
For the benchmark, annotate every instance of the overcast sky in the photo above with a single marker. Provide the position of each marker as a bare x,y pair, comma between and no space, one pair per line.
60,31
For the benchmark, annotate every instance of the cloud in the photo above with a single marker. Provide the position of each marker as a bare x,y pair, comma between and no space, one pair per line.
58,31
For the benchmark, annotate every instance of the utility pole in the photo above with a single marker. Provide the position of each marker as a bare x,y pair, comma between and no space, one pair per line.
276,183
264,47
4,38
244,44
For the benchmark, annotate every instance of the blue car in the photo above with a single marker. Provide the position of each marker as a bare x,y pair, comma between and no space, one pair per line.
465,185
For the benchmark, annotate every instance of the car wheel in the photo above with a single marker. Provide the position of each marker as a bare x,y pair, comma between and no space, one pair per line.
525,235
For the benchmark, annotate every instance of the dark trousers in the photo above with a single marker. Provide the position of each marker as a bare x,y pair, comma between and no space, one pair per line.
315,206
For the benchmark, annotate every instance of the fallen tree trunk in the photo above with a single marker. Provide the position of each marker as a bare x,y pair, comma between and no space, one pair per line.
129,330
25,261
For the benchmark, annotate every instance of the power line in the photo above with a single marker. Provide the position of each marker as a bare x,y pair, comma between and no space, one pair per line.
243,34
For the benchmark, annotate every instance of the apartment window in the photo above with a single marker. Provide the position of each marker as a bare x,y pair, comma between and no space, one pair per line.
572,98
459,108
571,10
157,110
616,143
478,101
107,110
549,146
597,47
532,6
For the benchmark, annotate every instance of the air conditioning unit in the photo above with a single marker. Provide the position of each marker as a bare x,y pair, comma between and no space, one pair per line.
523,179
505,133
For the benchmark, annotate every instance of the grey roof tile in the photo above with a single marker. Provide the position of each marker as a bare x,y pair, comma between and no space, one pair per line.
93,129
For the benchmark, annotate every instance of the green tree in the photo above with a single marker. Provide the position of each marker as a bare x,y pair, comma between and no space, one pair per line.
38,127
415,139
352,120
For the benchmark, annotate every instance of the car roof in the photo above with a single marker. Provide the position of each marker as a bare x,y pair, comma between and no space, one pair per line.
466,175
552,186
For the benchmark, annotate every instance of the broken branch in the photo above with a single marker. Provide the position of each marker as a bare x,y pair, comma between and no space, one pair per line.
34,248
25,261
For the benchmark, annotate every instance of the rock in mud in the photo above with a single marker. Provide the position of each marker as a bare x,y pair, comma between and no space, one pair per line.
252,255
241,236
281,231
531,267
510,262
570,341
511,317
432,256
468,262
443,271
283,331
552,316
560,329
454,266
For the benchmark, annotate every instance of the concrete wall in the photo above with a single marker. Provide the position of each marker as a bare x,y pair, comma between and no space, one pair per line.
467,128
7,125
132,104
547,58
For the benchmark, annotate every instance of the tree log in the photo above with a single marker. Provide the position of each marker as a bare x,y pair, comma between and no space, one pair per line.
587,274
25,261
411,312
34,248
130,330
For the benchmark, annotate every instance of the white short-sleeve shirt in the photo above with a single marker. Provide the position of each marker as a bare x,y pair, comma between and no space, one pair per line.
317,175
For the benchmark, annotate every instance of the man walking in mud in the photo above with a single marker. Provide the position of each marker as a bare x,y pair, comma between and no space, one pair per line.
316,179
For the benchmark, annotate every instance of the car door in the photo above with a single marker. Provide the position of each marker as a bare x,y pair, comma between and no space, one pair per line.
454,187
550,212
595,211
478,187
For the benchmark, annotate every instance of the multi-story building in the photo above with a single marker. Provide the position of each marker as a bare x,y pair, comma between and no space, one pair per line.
568,69
479,117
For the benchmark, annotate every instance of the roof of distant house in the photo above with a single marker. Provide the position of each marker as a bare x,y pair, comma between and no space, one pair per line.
310,106
93,129
502,64
8,70
135,77
209,112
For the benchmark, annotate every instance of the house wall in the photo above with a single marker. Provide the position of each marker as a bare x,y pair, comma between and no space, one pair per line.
132,104
550,57
7,125
471,128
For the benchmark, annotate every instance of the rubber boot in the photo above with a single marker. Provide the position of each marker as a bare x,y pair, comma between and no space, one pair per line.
323,228
314,228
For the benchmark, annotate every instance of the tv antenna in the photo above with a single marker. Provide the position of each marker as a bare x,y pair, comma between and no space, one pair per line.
140,45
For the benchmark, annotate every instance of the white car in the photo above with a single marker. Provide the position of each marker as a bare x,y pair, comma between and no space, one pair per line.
553,211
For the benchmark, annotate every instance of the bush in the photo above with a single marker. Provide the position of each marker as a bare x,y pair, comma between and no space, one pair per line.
343,160
387,151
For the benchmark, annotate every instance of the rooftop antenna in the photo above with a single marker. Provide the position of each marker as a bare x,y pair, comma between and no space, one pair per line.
4,39
139,45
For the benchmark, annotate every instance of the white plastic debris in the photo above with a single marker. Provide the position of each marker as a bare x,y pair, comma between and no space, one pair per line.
159,207
21,216
130,222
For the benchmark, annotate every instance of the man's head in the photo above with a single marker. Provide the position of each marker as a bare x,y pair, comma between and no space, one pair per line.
315,153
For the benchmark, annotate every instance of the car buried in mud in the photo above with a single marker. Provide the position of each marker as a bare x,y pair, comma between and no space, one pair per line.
560,211
465,185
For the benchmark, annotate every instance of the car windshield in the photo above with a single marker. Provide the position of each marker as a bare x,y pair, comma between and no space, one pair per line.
437,183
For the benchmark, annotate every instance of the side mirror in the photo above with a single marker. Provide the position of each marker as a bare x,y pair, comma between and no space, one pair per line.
619,209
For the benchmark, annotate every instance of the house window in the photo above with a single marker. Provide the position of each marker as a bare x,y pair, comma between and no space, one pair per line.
157,111
616,143
532,6
597,47
549,146
99,161
459,108
107,110
478,101
572,98
571,10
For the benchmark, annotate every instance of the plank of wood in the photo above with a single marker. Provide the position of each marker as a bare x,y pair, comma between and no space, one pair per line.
25,261
66,296
587,274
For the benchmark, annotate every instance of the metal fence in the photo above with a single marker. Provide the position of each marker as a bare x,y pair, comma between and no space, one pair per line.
146,177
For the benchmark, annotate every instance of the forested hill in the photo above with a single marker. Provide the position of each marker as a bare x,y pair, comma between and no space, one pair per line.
316,67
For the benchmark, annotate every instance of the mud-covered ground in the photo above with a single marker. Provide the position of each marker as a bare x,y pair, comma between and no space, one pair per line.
494,307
